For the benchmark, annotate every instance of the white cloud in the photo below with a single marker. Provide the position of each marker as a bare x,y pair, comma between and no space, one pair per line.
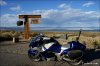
2,2
62,5
88,4
15,8
8,20
69,17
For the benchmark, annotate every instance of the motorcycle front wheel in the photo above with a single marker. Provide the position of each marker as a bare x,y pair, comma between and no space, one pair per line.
34,58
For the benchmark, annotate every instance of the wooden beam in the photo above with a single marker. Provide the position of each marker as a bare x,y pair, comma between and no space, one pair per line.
29,16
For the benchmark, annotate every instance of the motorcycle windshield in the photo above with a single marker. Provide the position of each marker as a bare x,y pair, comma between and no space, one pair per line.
33,40
37,38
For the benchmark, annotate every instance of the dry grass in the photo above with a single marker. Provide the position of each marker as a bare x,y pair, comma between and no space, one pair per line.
89,38
8,35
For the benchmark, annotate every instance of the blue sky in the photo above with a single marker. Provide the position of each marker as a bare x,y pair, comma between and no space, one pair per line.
55,13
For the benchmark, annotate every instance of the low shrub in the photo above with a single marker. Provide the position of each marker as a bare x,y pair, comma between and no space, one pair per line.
5,37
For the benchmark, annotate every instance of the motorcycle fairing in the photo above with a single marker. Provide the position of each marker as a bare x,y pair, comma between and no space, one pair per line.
76,45
54,48
32,52
65,51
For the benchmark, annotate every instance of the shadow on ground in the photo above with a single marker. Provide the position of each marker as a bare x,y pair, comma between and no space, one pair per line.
7,43
91,54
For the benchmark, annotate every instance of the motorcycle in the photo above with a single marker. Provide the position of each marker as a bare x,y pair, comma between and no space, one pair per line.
45,48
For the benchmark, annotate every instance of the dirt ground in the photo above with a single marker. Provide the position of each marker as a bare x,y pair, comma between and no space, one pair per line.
15,54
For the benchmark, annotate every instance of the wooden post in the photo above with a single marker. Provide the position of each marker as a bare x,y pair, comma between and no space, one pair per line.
26,28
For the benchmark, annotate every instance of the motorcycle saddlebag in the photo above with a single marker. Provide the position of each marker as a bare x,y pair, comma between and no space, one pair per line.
75,54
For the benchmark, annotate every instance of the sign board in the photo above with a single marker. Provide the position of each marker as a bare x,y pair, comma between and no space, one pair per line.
36,21
29,16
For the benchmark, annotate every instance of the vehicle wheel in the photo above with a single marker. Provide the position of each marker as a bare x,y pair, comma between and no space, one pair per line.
76,63
72,62
35,57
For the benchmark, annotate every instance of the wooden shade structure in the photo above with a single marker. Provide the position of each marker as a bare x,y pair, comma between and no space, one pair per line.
26,24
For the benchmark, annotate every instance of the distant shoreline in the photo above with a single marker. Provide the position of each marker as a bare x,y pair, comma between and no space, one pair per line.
56,30
72,29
